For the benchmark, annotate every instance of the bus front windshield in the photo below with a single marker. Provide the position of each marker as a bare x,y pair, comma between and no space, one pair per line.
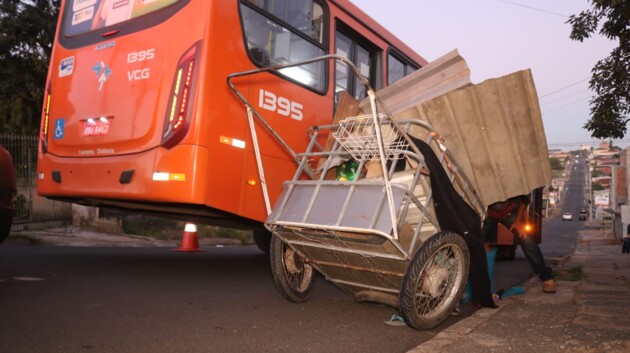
84,16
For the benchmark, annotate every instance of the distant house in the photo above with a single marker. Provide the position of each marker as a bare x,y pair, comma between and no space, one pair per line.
604,150
554,151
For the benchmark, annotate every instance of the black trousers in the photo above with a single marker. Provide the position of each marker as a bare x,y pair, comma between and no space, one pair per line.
455,215
528,245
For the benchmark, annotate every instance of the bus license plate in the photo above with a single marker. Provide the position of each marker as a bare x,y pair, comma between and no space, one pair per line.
97,128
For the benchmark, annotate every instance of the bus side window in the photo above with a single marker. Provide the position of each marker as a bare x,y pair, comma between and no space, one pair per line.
397,67
283,32
363,54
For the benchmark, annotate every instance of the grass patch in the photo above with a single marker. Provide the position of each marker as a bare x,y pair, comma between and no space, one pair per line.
168,229
569,274
244,236
154,227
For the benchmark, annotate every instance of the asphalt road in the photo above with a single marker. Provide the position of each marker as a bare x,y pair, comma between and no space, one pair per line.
70,299
78,299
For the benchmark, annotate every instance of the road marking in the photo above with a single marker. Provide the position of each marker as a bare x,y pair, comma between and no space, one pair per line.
28,279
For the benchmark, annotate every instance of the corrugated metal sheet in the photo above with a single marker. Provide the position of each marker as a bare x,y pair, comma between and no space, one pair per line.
495,132
439,77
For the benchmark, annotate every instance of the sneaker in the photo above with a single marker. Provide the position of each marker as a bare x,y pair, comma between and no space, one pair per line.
549,286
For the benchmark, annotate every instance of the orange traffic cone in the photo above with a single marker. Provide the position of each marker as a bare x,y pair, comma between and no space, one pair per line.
189,240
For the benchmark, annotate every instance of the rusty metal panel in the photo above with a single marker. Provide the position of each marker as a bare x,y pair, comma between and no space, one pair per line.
495,132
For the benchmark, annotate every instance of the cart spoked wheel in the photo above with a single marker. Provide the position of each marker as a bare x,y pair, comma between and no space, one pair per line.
434,281
291,273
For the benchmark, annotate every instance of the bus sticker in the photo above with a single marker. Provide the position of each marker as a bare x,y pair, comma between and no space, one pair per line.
139,74
102,72
83,15
105,45
140,55
82,4
60,126
283,106
66,67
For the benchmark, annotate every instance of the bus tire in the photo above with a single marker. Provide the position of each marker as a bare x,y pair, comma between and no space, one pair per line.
434,281
292,275
262,238
6,220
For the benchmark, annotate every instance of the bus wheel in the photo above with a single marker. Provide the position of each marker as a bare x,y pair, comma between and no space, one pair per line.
6,219
292,275
262,238
434,282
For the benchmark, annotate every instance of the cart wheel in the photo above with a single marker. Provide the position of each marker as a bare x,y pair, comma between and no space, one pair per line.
291,273
434,281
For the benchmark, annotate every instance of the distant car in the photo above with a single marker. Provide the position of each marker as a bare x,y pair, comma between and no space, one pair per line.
582,217
567,217
7,190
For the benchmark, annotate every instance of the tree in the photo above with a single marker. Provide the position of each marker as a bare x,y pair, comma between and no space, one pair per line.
28,29
556,163
597,187
610,76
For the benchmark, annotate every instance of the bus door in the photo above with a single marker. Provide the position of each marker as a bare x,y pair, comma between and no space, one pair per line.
291,100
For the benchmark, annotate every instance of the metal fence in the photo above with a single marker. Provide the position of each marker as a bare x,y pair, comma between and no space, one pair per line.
31,208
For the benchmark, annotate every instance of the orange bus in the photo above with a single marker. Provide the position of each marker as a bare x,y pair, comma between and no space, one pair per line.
138,115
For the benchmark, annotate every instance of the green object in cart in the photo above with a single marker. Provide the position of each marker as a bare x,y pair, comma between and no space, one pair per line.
347,171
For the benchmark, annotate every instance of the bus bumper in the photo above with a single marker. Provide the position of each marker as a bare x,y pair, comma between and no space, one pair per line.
157,175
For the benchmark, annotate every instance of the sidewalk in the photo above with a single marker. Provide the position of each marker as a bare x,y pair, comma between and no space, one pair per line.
79,236
590,315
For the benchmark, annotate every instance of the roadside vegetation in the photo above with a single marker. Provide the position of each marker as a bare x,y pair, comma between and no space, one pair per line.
167,229
23,238
569,274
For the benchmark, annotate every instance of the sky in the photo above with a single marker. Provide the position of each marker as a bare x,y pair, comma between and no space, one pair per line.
498,37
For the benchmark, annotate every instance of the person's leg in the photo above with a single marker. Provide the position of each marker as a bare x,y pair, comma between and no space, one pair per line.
535,257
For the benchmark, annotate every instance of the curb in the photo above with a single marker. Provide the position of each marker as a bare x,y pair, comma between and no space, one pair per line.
460,328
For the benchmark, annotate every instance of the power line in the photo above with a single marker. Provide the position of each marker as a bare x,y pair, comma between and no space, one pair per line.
533,8
565,105
563,88
565,97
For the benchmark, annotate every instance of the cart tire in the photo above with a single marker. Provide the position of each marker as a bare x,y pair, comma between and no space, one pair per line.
262,238
292,275
434,281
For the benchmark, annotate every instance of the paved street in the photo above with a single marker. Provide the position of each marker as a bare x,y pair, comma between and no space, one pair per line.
79,299
143,297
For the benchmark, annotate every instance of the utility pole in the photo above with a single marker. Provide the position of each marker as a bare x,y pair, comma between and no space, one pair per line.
589,181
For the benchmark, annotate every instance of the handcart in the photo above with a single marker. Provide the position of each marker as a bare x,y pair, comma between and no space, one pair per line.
375,235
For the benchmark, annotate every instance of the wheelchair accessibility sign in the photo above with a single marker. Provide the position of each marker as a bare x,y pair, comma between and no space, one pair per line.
60,125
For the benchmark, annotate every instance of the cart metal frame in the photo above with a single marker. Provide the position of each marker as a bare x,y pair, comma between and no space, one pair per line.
376,238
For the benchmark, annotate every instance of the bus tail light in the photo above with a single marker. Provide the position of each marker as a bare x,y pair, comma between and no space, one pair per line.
178,110
46,111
